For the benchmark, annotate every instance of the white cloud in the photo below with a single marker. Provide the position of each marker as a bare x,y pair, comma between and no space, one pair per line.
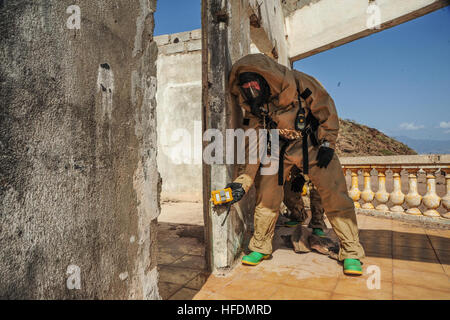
411,126
444,125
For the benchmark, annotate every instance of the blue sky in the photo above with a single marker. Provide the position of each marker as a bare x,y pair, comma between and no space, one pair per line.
173,16
397,80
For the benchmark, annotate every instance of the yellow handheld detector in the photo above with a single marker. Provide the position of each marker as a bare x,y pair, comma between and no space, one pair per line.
221,196
305,190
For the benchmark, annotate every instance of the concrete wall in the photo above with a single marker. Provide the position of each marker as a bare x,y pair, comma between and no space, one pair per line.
179,115
79,187
314,26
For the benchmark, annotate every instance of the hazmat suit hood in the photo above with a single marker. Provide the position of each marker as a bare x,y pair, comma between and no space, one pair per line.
280,79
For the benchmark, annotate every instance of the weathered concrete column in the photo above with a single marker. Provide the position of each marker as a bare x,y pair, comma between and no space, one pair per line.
79,186
225,32
226,38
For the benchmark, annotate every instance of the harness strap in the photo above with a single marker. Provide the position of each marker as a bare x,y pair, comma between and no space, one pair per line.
311,125
281,164
305,154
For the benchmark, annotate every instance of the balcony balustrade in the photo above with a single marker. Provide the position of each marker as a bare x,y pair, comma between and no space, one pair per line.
413,185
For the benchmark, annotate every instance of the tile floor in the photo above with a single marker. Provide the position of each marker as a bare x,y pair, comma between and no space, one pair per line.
414,263
181,260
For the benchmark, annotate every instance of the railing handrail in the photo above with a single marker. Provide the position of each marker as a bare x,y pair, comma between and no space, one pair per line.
404,161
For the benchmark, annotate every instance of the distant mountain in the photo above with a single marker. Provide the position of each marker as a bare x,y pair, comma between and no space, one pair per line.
359,140
426,146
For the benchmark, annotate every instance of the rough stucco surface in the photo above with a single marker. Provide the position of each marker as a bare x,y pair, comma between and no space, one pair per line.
78,178
290,6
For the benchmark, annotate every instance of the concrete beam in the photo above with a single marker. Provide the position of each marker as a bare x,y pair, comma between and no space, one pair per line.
326,24
268,32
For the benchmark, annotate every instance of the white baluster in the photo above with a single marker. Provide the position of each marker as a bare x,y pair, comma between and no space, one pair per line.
446,198
413,198
367,195
354,192
431,200
397,196
382,196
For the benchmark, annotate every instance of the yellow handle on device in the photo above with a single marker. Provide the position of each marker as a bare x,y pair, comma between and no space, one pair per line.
221,196
305,190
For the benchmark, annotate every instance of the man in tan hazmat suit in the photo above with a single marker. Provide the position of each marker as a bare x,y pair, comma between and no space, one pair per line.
296,104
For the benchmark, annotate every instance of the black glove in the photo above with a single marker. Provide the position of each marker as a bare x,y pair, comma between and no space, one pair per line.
324,156
236,190
297,183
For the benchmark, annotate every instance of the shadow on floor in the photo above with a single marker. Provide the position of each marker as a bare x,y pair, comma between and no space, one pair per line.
405,246
181,260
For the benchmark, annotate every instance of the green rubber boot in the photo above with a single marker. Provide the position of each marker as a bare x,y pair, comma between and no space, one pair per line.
254,258
319,232
291,223
352,267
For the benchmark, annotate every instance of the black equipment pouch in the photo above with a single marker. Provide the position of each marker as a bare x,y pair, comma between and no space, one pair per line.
301,121
308,125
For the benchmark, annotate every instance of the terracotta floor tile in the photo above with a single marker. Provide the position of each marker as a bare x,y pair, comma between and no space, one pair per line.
337,296
372,223
358,287
248,290
445,233
189,246
446,269
215,283
314,265
362,220
439,242
407,228
378,251
431,280
381,227
297,277
381,239
415,273
167,289
404,239
176,275
192,262
376,234
443,256
245,273
422,266
207,295
295,293
319,283
385,265
414,254
379,261
406,292
184,294
198,282
166,256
